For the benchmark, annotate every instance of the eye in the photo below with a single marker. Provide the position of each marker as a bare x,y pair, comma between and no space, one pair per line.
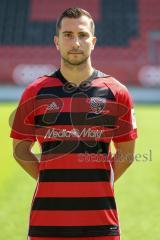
82,35
68,35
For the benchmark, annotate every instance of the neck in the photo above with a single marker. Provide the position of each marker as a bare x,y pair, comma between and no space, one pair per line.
76,73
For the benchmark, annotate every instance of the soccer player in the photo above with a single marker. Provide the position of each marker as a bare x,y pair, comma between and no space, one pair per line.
74,114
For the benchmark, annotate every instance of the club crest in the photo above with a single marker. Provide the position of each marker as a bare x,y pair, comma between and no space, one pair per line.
97,104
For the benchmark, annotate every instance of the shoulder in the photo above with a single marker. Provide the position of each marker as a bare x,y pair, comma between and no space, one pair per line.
43,81
116,86
110,81
119,90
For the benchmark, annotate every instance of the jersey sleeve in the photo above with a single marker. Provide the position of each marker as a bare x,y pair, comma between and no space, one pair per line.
22,119
126,123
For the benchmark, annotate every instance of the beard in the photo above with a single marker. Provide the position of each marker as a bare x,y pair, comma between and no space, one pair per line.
74,61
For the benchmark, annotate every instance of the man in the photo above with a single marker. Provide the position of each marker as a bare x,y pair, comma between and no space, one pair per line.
74,114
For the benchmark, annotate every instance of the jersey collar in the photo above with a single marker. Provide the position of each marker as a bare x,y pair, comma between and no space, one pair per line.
95,74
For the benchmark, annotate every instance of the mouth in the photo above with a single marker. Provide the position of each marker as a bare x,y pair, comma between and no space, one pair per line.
75,53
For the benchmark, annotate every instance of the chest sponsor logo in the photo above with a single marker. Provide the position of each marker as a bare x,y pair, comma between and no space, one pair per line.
64,133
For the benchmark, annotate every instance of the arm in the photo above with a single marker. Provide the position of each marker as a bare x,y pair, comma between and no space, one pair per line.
123,157
23,155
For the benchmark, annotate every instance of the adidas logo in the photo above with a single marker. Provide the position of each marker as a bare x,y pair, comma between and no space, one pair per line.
52,106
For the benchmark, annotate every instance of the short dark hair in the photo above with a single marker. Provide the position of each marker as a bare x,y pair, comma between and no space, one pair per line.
74,13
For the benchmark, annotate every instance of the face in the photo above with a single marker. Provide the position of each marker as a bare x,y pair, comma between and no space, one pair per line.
75,41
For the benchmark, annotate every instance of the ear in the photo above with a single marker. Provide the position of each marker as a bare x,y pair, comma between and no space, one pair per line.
56,42
94,40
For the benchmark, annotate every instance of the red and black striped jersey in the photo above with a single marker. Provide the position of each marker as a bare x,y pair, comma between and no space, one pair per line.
74,125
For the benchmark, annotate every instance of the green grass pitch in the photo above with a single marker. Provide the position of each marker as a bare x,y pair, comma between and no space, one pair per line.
137,191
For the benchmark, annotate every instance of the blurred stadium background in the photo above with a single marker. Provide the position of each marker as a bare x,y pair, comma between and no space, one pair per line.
128,48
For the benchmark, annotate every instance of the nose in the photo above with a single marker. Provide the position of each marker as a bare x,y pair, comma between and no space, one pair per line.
76,42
